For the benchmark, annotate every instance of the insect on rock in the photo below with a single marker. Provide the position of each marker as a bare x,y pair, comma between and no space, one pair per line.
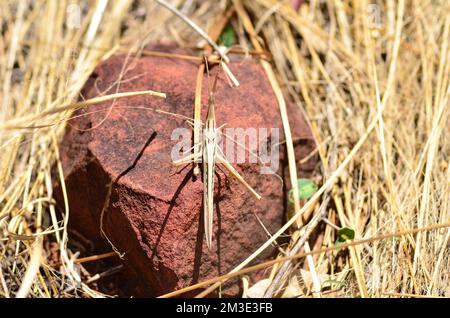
211,154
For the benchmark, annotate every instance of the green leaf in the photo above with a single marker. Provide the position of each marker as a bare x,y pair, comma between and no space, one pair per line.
306,188
228,37
339,241
346,234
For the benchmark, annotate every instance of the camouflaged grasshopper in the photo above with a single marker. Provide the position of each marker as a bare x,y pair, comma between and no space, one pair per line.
210,155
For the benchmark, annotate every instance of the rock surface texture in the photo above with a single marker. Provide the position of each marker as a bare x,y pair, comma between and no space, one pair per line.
117,159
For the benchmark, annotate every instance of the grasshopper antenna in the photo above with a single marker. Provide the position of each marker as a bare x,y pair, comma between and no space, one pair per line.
211,90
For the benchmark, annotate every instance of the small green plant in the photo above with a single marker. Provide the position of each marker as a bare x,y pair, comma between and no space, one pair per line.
228,37
306,188
345,234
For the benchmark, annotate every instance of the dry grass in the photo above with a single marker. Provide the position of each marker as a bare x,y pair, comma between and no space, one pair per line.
374,81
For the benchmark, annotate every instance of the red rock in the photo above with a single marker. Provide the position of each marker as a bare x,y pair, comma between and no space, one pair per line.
154,213
295,4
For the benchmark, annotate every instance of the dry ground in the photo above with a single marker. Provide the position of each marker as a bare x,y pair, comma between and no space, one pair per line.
373,79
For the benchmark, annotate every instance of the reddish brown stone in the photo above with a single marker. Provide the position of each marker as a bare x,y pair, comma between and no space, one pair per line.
153,212
295,4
